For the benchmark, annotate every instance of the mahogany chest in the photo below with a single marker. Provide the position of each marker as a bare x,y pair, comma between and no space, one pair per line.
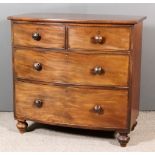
77,70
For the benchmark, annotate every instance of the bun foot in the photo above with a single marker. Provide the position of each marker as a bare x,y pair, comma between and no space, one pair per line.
22,126
134,125
123,139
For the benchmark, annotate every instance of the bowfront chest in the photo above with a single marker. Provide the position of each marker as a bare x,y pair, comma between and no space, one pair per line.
78,71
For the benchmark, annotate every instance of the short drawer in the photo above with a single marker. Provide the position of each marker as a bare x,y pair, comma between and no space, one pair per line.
99,38
74,68
94,108
37,35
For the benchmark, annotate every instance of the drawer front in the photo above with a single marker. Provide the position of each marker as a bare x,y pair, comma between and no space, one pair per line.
74,68
94,108
33,35
99,38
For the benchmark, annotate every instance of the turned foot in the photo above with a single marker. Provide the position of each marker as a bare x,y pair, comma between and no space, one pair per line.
134,125
22,126
123,139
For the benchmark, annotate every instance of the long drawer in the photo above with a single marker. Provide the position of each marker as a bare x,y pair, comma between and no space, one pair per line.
74,68
93,108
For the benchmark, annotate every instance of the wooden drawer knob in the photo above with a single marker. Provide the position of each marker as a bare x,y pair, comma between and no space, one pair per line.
38,103
37,66
36,36
98,70
98,109
98,39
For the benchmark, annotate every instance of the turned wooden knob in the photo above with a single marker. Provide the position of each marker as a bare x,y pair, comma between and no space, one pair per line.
98,39
38,103
36,36
37,66
98,109
98,70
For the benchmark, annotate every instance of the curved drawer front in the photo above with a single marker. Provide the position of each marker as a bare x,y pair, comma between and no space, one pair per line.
93,108
37,35
74,68
99,38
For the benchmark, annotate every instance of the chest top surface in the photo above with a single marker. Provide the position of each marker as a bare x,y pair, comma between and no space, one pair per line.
78,18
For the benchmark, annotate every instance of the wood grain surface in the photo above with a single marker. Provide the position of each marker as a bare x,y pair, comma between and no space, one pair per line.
78,18
74,68
74,106
136,72
115,38
52,36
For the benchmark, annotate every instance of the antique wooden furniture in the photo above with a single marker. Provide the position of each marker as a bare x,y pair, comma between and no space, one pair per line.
77,70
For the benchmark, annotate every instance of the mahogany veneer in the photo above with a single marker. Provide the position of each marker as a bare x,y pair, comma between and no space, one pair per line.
77,71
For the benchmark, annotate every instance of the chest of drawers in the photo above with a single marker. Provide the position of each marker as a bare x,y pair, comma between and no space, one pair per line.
78,71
